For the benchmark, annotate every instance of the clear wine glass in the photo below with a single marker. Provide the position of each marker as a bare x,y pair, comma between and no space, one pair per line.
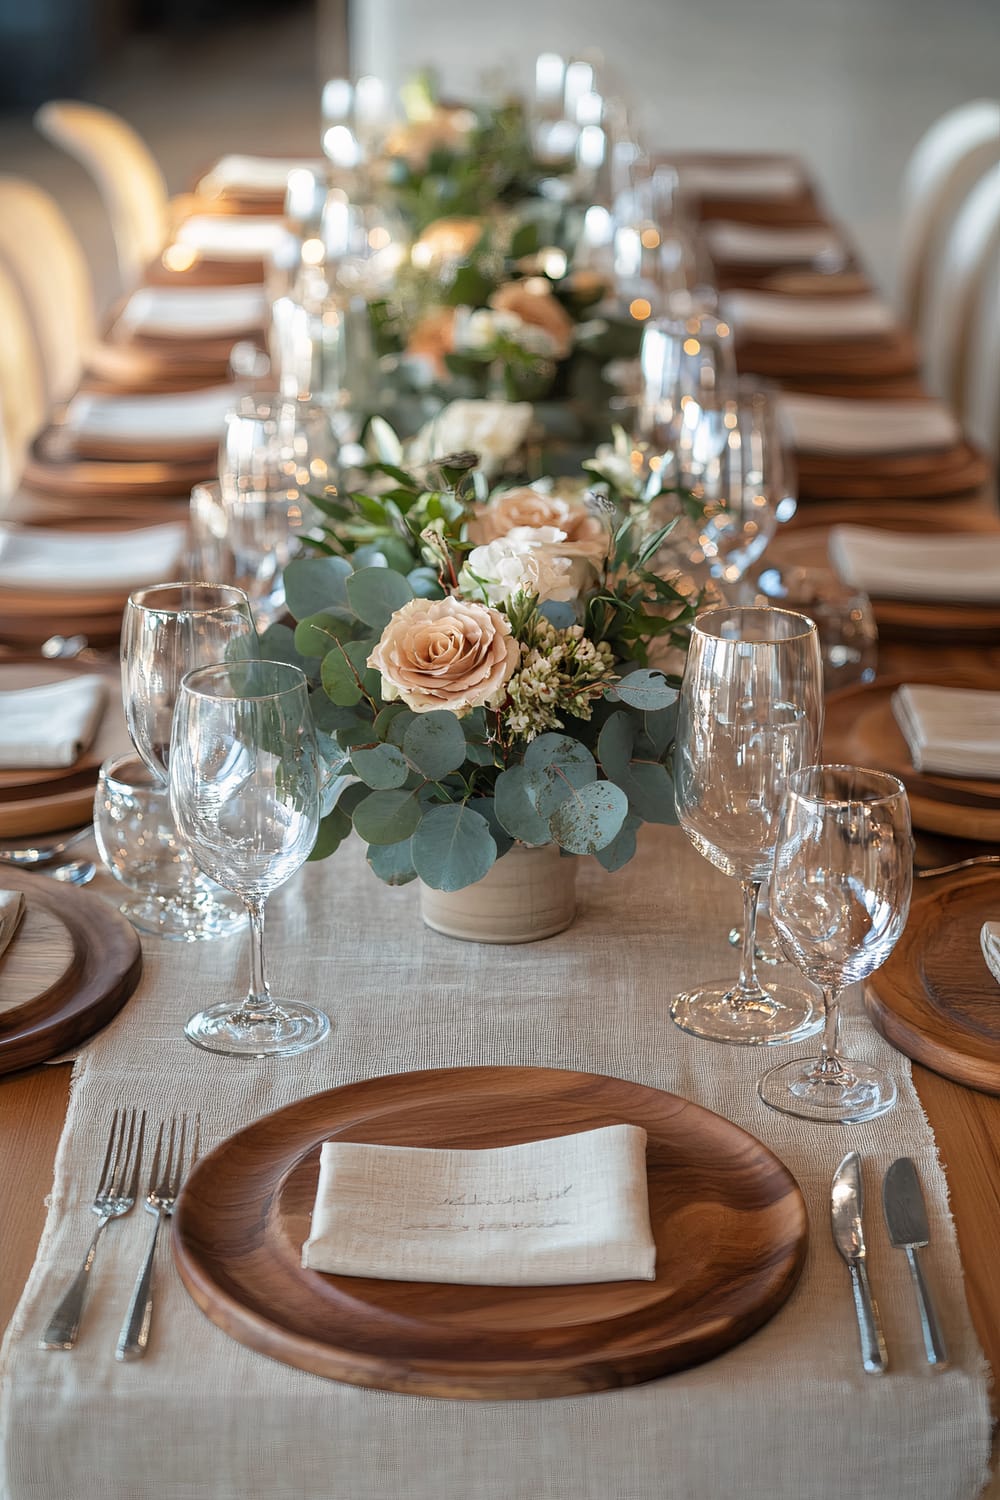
245,794
168,629
273,442
685,363
840,894
750,713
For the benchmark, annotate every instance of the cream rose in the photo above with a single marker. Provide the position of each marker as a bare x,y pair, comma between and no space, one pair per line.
493,429
529,507
445,653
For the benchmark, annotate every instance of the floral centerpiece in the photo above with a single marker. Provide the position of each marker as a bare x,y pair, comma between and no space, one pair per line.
483,670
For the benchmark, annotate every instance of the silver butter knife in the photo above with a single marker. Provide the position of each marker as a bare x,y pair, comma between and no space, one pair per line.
906,1218
847,1201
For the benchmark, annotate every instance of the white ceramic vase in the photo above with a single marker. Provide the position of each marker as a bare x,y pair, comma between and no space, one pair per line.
529,894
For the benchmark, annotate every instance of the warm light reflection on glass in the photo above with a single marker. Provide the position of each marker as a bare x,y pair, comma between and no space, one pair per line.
650,238
640,308
313,252
692,346
379,237
179,257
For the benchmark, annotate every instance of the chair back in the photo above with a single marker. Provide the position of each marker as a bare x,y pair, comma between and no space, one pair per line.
980,400
971,247
45,259
22,393
944,166
126,173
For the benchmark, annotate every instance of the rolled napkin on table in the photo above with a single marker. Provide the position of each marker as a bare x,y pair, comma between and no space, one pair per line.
51,725
950,731
136,421
11,912
765,244
194,311
61,562
552,1212
769,316
962,569
989,942
841,425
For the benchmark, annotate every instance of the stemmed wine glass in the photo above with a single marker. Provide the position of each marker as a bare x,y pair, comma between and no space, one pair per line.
168,629
750,713
245,794
840,894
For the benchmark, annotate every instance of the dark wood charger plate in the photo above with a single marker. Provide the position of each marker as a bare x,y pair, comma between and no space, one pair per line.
72,965
728,1218
860,729
54,467
799,209
935,999
926,475
860,361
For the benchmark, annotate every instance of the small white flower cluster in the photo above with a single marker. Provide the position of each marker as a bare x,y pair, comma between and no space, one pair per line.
562,672
479,330
525,561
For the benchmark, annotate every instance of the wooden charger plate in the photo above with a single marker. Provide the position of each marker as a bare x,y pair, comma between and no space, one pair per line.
728,1218
927,475
54,468
36,802
72,965
860,730
934,998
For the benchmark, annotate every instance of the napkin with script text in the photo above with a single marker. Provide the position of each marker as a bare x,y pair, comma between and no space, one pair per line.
544,1213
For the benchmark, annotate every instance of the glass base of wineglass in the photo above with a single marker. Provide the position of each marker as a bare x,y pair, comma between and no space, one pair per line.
236,1032
857,1093
206,914
782,1012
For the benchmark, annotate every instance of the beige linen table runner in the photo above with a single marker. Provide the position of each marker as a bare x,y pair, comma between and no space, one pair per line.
787,1415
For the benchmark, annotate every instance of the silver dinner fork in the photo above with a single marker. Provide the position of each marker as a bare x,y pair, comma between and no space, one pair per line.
176,1152
114,1197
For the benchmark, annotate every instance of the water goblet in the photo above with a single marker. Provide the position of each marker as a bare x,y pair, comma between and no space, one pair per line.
750,713
168,629
687,365
273,442
840,895
245,793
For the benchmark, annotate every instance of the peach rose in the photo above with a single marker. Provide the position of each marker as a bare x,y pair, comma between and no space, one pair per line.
442,128
532,301
433,337
446,241
445,653
529,507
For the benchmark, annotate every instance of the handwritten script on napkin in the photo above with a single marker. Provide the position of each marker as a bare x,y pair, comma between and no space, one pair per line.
568,1210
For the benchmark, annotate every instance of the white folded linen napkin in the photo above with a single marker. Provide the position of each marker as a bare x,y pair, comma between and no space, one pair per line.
768,315
840,425
11,912
770,244
546,1213
989,942
83,562
950,731
256,174
50,725
962,569
194,311
232,236
172,417
774,179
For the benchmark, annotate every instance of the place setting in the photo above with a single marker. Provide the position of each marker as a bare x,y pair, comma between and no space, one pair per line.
856,339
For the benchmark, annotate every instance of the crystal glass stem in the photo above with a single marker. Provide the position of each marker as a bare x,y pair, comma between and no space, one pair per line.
828,1064
747,990
258,1006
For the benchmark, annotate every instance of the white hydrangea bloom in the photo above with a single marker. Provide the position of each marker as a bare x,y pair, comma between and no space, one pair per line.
525,561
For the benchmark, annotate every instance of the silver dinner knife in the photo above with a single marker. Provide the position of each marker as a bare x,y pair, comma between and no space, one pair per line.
906,1218
847,1201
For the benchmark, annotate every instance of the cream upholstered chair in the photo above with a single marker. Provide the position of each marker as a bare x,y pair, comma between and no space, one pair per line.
954,289
126,173
980,405
944,166
45,259
22,395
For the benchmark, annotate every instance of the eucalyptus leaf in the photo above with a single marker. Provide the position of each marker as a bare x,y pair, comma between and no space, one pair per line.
315,584
435,744
589,819
399,724
333,829
332,717
375,594
622,846
384,719
556,765
393,863
381,767
387,817
453,847
424,583
317,634
558,612
650,791
643,689
278,644
486,808
515,807
614,745
340,681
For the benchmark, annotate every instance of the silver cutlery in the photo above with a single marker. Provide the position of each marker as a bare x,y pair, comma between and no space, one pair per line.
74,872
958,864
906,1219
72,648
115,1195
176,1152
41,854
846,1208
